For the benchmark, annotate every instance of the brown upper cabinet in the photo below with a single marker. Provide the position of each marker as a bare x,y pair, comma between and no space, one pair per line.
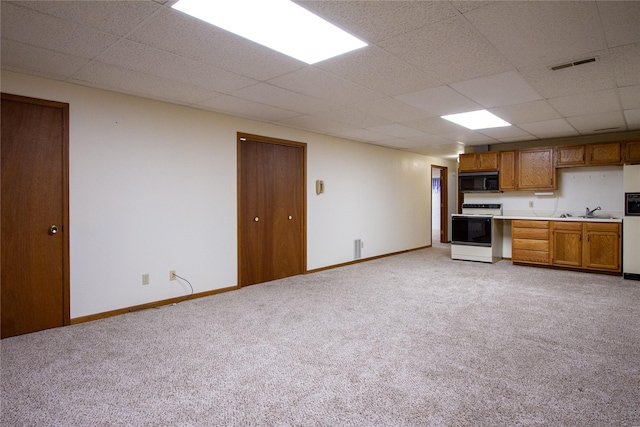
632,152
608,153
571,155
601,154
507,170
473,162
535,169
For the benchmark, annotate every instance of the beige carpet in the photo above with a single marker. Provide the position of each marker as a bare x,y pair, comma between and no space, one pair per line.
410,340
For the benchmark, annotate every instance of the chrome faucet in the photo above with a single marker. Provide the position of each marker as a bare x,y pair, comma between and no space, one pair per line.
590,212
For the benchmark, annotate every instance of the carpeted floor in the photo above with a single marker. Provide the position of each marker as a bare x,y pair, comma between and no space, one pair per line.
410,340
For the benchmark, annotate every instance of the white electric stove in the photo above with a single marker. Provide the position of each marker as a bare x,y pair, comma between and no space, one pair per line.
474,236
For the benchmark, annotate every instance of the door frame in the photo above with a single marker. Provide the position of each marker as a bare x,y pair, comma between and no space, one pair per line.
444,203
269,140
66,269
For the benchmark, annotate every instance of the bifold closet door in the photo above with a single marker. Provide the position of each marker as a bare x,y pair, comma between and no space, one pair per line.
271,211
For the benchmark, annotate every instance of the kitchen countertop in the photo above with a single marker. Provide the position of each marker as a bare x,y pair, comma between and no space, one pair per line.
557,218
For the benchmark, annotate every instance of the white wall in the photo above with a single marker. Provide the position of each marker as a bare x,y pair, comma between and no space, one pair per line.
578,188
153,188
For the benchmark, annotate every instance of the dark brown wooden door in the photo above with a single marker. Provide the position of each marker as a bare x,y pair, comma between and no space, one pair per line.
271,211
34,215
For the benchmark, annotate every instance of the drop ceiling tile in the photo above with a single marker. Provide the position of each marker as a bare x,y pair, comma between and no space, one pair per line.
626,63
320,84
34,60
507,133
589,77
397,130
498,90
36,29
527,112
587,103
549,128
439,101
539,32
630,97
621,22
376,69
282,98
599,123
353,118
243,108
160,63
469,137
361,135
113,17
314,124
183,35
420,141
373,21
389,108
439,49
127,81
633,118
434,140
433,125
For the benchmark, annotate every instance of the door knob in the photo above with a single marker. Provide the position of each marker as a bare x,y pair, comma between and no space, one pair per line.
53,230
256,219
290,217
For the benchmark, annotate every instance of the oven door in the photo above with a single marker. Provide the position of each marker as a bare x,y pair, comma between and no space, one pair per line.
473,230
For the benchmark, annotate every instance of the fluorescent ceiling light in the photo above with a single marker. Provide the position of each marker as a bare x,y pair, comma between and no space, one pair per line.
277,24
481,119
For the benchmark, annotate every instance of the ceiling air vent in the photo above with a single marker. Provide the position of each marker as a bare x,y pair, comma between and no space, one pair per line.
573,64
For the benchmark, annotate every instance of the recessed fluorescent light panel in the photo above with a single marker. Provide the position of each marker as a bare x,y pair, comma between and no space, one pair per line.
277,24
481,119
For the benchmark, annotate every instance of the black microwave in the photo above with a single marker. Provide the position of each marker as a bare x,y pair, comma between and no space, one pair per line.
478,182
632,204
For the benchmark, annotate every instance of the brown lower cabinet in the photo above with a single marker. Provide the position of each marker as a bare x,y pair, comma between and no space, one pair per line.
588,246
530,242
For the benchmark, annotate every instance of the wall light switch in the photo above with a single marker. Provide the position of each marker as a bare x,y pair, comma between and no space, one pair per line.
145,279
319,186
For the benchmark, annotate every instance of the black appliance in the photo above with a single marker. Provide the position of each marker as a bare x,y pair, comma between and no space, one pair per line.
632,204
472,230
478,182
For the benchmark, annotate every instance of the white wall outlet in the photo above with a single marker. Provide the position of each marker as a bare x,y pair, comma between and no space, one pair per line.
145,279
172,275
530,203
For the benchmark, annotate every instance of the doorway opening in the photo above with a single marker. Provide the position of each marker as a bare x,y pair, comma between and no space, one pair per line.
439,203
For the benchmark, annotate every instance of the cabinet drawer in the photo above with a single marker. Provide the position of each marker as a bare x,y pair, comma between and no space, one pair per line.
529,244
530,223
567,225
525,255
531,233
602,226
